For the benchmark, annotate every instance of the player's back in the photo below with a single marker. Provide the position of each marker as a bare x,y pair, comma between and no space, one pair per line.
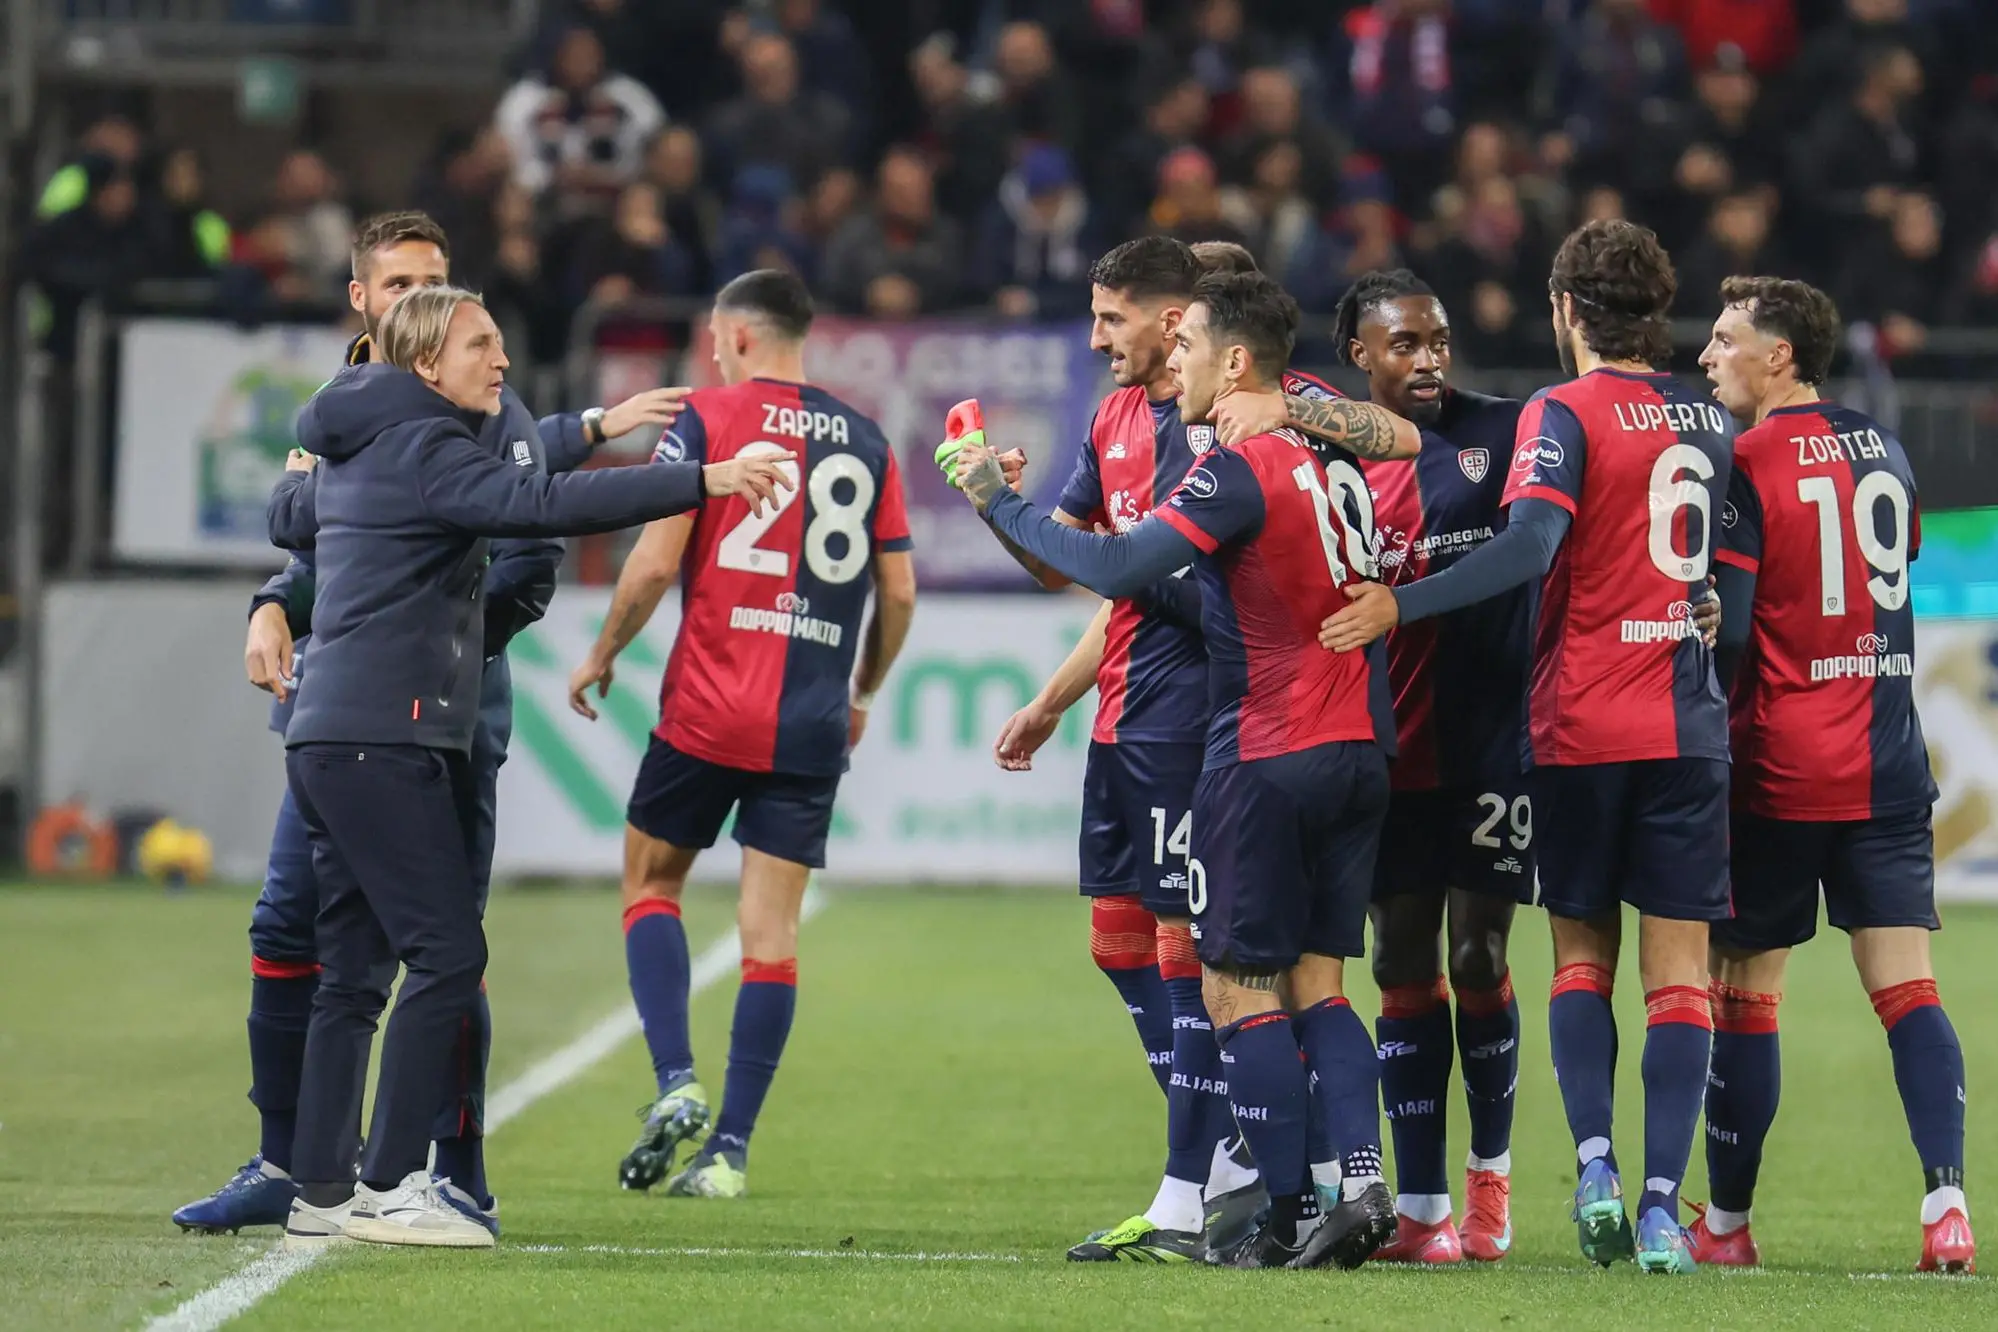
772,602
1619,672
1282,534
1823,509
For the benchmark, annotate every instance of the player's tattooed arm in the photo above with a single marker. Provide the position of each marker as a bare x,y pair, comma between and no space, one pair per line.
1364,429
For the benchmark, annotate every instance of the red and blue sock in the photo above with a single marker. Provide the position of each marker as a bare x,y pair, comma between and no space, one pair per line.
1345,1083
1581,1038
280,1013
764,1007
655,958
1678,1042
1928,1069
1743,1088
1488,1041
1270,1096
1123,939
1197,1112
1413,1032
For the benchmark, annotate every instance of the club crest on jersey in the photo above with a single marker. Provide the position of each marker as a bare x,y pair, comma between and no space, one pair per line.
1475,463
1199,439
522,455
671,448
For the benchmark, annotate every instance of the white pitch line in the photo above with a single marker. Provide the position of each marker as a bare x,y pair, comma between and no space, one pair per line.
239,1292
864,1255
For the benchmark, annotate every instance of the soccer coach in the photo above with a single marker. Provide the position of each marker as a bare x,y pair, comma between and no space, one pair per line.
377,749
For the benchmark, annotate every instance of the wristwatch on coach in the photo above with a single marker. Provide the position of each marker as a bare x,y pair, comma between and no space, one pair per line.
593,426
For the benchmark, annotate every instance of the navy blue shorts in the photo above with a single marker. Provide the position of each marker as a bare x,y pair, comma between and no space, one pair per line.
684,801
1652,833
1137,802
1283,856
1875,873
1479,841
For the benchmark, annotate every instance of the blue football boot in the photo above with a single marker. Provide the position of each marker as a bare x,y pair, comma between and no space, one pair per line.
259,1195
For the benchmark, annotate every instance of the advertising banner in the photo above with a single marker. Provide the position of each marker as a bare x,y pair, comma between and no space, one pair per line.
1038,383
205,416
1956,688
924,801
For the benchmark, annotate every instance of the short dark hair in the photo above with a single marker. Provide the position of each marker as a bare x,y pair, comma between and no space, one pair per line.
1370,289
1148,268
386,229
771,294
1220,256
1254,310
1794,311
1623,285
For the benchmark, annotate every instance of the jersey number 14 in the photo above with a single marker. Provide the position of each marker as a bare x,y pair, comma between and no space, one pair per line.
848,518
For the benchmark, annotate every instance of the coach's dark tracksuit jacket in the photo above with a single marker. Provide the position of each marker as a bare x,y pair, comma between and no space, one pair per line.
400,625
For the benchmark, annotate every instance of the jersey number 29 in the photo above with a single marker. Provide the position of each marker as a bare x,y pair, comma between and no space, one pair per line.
738,549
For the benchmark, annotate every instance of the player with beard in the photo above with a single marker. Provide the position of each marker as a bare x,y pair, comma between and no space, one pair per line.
1145,656
1616,486
1287,809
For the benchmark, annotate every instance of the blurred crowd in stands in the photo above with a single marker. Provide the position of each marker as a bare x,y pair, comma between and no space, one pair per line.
658,147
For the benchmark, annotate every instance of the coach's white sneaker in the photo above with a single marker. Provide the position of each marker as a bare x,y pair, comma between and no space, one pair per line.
417,1211
309,1227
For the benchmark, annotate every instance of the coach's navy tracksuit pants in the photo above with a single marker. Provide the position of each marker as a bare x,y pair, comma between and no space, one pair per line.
282,926
394,831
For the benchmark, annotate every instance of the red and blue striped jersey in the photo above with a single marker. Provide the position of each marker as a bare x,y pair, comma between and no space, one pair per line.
771,603
1152,683
1280,533
1619,672
1822,509
1459,679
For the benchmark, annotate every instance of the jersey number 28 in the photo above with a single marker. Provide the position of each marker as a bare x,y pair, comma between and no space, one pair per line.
738,549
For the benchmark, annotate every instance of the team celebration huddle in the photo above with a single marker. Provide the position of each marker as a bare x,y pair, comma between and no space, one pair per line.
1415,661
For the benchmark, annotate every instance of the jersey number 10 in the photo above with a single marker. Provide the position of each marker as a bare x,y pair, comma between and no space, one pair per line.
1356,513
738,549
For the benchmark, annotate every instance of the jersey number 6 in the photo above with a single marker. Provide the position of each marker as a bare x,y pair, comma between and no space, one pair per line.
738,549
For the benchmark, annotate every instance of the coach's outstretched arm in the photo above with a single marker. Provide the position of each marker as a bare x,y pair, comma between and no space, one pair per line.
466,488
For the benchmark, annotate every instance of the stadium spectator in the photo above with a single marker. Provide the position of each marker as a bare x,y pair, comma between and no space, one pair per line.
94,249
1760,33
1273,112
578,128
1726,145
523,302
1969,189
900,258
1490,255
1737,242
964,138
1401,91
834,61
1173,118
1973,294
1279,223
632,253
776,122
1618,77
1858,157
1893,279
761,226
113,141
1222,49
1034,92
190,239
1034,245
1601,203
674,167
318,228
1188,204
1836,56
460,189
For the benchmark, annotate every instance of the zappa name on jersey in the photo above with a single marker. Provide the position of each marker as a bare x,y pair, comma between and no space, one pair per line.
791,618
803,423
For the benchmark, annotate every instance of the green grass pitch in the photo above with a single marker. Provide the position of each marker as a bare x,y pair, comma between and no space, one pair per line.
963,1097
